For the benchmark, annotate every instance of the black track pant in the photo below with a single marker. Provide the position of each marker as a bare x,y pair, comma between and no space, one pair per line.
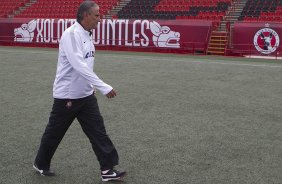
87,112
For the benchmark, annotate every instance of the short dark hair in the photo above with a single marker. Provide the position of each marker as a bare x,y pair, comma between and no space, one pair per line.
84,7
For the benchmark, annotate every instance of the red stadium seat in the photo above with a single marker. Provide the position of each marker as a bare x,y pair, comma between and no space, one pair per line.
62,8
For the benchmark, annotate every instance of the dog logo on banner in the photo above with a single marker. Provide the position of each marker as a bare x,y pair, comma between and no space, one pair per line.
266,40
163,36
25,33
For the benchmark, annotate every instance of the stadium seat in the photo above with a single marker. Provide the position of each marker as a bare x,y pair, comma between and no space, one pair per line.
176,9
62,8
262,10
8,7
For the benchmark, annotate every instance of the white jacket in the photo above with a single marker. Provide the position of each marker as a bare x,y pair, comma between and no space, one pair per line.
75,77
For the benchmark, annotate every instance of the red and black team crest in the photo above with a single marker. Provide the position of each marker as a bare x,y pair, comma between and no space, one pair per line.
266,41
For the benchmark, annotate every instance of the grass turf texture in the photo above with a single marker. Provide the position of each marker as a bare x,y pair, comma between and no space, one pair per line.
177,119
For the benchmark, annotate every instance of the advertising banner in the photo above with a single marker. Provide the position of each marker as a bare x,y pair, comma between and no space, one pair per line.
257,38
159,34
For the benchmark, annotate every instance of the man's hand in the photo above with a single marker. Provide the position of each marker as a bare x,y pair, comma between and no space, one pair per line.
94,91
111,94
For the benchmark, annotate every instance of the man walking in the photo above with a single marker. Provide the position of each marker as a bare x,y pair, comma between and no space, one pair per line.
74,97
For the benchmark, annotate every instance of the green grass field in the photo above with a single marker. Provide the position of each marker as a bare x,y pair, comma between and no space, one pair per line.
177,119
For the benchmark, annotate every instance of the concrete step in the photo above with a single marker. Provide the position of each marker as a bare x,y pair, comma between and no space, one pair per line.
117,8
217,48
216,52
22,8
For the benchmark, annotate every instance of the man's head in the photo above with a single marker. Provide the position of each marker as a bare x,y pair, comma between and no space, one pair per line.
88,15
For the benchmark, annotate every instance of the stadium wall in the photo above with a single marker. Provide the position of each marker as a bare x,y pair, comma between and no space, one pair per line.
257,38
114,34
178,36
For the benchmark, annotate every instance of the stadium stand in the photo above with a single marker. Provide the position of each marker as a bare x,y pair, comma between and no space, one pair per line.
60,9
175,9
7,7
215,10
141,8
262,10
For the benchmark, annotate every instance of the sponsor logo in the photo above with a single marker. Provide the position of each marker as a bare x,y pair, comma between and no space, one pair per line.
25,33
266,41
89,54
110,175
163,36
43,30
69,104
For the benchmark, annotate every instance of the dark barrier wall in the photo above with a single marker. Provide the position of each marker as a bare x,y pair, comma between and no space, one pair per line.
116,33
257,38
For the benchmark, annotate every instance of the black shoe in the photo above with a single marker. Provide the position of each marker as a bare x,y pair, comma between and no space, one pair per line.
43,172
112,175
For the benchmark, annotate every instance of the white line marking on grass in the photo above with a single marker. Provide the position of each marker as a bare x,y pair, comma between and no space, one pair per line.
28,51
196,60
136,57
